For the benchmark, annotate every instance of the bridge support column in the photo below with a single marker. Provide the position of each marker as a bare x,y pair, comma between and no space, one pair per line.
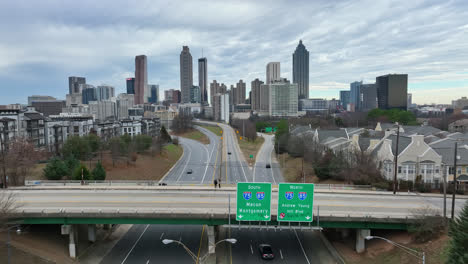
361,239
92,233
344,233
71,244
211,232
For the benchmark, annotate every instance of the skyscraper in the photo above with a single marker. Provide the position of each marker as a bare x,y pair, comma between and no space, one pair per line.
392,91
105,92
130,85
282,98
301,70
344,99
368,97
240,93
89,94
273,72
255,88
75,84
195,94
216,88
141,79
154,93
203,79
354,98
186,74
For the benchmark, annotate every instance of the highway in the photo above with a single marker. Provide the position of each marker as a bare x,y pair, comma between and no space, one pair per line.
266,156
201,159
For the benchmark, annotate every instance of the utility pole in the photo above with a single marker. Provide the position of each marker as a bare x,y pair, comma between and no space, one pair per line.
454,180
396,161
303,175
243,128
3,146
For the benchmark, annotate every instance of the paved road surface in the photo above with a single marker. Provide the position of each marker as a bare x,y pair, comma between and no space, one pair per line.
266,156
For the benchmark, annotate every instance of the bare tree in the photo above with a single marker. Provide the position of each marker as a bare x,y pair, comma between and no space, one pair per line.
18,160
7,207
156,146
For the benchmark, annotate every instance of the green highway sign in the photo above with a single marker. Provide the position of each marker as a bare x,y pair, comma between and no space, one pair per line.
295,202
268,129
253,201
251,156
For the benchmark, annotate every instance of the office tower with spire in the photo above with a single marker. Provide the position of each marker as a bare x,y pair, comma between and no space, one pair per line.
186,74
203,79
301,70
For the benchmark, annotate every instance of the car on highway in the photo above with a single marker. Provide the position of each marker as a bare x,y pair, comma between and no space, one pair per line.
229,152
268,166
189,171
266,252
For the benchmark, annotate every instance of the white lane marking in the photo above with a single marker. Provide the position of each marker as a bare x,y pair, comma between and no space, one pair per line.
236,146
135,244
209,159
251,249
281,254
147,262
188,160
303,251
161,235
271,169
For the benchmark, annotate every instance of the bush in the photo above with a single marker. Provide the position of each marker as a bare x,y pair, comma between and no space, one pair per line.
165,137
428,224
55,169
175,141
99,173
77,147
383,185
71,163
142,142
82,169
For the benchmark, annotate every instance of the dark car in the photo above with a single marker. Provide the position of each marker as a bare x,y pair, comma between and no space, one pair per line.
229,152
268,166
189,171
266,252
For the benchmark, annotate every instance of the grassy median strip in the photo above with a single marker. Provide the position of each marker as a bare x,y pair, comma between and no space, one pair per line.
250,148
194,134
215,129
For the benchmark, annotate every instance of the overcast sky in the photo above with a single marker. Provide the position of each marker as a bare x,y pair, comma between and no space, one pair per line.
44,42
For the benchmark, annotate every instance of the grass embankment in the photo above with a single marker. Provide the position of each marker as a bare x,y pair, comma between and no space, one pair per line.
291,168
215,129
146,167
378,251
194,134
250,147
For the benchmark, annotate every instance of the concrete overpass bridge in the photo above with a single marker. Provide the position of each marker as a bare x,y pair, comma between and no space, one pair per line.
198,205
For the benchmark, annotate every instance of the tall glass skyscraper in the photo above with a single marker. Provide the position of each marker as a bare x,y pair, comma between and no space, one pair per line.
203,79
301,70
141,79
130,85
186,74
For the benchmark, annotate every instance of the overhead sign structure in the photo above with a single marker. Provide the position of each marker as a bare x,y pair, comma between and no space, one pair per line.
253,201
295,202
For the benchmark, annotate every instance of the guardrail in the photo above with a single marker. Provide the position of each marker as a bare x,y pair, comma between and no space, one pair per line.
183,183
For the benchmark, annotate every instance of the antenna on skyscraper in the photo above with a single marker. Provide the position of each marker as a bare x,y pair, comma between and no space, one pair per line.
202,52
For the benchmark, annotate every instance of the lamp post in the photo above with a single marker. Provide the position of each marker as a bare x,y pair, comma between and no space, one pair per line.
415,253
18,231
195,258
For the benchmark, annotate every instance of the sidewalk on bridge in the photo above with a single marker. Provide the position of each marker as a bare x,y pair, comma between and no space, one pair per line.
224,189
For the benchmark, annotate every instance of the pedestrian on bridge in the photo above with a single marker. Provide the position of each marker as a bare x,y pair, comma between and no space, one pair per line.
219,183
215,182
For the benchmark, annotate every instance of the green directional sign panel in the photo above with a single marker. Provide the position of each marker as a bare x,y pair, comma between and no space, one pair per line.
295,202
253,201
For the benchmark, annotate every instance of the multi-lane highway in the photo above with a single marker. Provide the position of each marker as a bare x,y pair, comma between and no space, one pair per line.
264,157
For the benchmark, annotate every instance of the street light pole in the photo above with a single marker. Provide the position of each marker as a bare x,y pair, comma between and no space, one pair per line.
415,253
396,161
18,231
195,258
454,180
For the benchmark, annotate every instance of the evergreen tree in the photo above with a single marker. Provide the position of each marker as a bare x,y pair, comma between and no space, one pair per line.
458,232
99,173
165,137
55,169
82,169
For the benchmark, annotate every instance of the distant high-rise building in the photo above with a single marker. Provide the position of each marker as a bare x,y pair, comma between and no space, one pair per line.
141,79
255,89
75,84
203,79
344,99
273,72
40,98
461,103
301,70
216,88
172,96
124,102
410,100
240,93
130,85
355,94
283,98
154,93
105,92
221,107
392,91
368,97
49,107
186,74
89,93
195,94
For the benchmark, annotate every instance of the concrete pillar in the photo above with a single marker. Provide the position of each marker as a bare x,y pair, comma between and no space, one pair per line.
71,244
211,232
92,233
360,239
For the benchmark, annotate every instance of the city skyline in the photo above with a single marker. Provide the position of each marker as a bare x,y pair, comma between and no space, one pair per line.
342,49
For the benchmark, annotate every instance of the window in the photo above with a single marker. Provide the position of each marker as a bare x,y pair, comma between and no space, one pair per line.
437,169
451,170
399,169
459,170
411,169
